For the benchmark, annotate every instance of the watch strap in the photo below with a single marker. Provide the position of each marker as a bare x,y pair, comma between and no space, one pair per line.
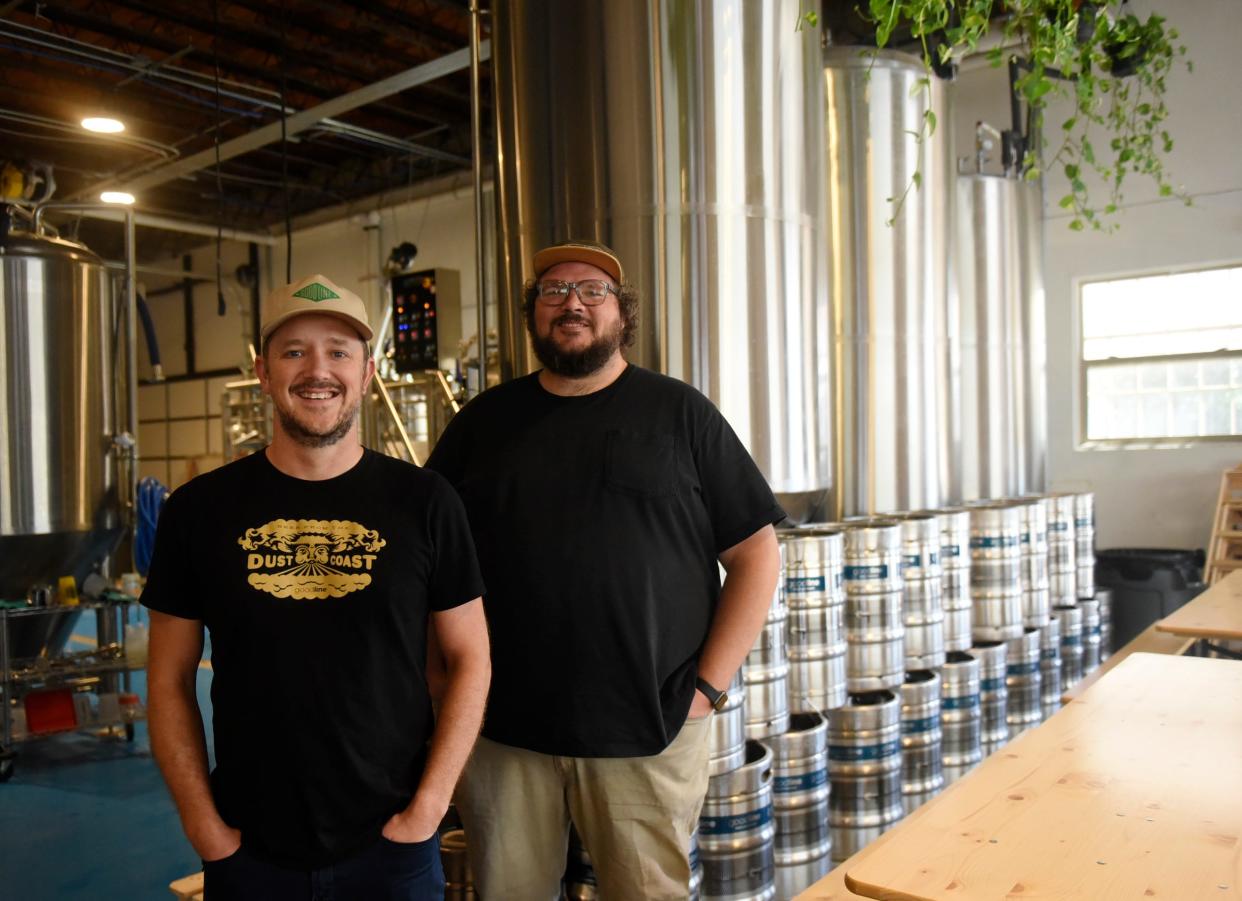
713,694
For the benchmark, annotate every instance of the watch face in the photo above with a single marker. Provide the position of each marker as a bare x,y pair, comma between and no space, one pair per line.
721,700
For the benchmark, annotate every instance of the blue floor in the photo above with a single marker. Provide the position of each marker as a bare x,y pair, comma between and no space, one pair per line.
89,818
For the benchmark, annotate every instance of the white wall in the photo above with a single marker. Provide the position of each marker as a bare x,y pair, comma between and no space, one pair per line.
1145,495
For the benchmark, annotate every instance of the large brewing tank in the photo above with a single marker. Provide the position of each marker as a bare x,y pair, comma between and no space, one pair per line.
888,280
59,507
999,281
684,136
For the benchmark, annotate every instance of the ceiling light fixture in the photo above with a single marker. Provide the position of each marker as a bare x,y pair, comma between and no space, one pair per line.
103,124
116,197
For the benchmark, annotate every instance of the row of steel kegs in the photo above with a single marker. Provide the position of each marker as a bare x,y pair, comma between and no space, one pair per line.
898,652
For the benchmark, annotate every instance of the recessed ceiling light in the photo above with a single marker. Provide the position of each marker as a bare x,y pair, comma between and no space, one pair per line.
116,197
103,124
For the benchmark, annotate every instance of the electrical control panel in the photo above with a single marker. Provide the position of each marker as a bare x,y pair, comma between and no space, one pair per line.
426,318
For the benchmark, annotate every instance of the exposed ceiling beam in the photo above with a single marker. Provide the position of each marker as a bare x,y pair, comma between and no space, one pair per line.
298,122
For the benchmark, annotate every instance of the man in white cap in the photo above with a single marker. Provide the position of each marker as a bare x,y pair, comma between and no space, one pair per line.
317,566
602,498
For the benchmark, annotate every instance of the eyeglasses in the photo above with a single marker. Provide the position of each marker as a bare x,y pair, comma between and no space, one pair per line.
591,291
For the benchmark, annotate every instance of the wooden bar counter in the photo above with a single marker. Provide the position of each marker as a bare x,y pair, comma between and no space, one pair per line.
1134,790
1217,613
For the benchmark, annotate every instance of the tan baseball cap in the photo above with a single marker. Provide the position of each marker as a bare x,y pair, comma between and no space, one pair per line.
597,255
314,294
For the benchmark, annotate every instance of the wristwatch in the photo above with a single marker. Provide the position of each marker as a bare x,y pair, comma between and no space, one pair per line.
717,697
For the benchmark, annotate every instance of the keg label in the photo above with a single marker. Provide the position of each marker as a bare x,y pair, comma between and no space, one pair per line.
991,684
866,573
1058,526
964,702
927,724
951,550
852,753
911,561
804,584
1023,669
785,784
742,822
1049,654
1026,537
1082,523
988,541
1071,641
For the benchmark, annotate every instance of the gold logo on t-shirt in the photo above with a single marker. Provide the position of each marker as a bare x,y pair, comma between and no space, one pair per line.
310,558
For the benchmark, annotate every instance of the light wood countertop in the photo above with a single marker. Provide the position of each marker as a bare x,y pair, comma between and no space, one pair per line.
1217,613
1132,791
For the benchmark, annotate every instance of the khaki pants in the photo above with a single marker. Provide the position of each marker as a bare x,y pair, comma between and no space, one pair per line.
635,816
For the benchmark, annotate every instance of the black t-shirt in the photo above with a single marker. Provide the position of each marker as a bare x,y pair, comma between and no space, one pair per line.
598,521
317,596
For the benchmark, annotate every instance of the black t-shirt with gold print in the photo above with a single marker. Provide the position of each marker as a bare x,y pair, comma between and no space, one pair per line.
316,595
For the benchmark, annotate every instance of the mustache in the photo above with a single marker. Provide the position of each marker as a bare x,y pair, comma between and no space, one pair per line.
312,384
567,318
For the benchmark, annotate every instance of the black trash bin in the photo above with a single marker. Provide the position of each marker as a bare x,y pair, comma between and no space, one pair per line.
1148,584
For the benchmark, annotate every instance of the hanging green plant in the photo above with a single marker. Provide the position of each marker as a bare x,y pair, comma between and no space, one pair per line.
1109,63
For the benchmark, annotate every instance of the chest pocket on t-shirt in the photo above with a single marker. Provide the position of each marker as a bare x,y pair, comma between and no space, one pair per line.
641,463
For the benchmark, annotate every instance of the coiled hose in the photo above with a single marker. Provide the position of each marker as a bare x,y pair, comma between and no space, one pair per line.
151,496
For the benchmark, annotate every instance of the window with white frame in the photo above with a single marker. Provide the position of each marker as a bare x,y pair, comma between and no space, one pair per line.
1162,355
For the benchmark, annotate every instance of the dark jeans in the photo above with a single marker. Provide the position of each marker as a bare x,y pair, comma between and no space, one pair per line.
387,871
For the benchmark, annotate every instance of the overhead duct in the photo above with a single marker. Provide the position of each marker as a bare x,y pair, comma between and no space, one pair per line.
683,135
893,332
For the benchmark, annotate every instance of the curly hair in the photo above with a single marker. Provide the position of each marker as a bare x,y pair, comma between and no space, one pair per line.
627,301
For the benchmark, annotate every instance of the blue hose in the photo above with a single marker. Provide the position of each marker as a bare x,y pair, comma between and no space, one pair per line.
151,497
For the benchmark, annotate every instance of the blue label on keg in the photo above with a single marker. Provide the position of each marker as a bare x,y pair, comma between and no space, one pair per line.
804,584
1023,669
987,541
839,579
1048,654
1095,630
1058,526
1082,523
1071,640
963,702
786,784
1026,538
951,550
927,724
866,573
991,684
742,822
932,558
850,753
911,561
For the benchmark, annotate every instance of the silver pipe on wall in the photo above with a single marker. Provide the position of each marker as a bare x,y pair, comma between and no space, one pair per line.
476,154
690,145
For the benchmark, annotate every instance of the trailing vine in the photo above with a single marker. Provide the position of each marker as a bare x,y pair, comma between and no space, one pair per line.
1110,64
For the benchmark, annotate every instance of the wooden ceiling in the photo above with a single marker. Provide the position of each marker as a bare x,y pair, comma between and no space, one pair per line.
153,64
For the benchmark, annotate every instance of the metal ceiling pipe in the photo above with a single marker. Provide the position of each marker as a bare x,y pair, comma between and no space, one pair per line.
301,121
146,220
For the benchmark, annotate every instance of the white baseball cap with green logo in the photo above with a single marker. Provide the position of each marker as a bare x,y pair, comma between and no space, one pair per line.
314,294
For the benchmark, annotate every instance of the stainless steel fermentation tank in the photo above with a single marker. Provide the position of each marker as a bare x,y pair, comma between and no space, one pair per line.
999,281
60,508
894,333
687,136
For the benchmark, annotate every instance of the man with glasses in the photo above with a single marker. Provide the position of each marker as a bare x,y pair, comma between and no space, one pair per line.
602,497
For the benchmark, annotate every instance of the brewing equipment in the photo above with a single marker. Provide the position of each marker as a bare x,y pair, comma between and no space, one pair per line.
765,675
800,802
995,571
66,466
1070,619
888,279
922,769
955,576
703,221
1084,544
960,715
875,647
736,830
1050,666
922,602
815,624
993,693
1024,707
864,766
